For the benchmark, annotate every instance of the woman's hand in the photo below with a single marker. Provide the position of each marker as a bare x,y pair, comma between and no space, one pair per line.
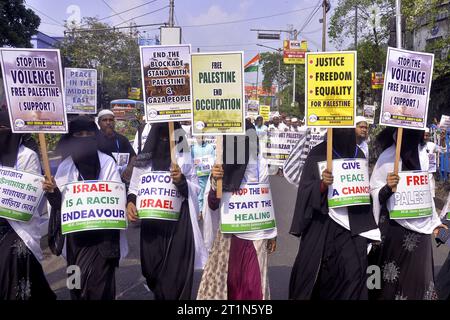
327,177
175,173
392,180
49,186
217,171
439,227
271,245
132,213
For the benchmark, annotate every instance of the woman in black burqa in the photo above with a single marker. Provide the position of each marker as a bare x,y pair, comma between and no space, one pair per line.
332,260
405,254
95,252
168,248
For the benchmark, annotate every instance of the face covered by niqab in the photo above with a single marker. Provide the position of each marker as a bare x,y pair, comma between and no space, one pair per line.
9,142
157,146
83,150
242,151
410,149
344,142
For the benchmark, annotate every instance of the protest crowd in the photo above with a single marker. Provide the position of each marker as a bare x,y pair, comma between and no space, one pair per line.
195,182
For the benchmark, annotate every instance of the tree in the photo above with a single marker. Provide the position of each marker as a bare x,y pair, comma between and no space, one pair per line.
114,54
276,72
373,19
373,34
17,24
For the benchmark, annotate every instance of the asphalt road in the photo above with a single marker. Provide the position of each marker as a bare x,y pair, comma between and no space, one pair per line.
130,284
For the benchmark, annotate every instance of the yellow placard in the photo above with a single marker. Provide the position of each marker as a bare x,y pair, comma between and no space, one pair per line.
330,89
294,51
218,101
264,111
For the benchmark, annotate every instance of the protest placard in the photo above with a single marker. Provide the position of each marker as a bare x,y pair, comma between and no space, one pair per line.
369,113
166,81
406,89
81,90
264,111
377,80
203,165
248,209
218,93
330,82
432,162
279,146
445,122
158,197
351,182
412,198
122,159
33,87
20,194
93,205
252,108
318,135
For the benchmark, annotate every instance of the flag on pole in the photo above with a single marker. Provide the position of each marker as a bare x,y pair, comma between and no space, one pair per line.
252,65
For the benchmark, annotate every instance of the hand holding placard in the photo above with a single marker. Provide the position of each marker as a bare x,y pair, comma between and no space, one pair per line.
327,177
132,213
392,181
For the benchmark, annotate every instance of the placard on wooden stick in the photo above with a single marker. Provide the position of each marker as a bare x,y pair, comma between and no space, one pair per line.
218,97
330,99
166,80
33,86
406,92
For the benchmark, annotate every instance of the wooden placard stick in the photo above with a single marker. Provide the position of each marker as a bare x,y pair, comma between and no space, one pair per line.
43,147
219,154
330,149
398,148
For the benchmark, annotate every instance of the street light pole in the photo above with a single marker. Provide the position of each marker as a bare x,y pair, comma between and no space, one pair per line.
295,71
398,15
171,13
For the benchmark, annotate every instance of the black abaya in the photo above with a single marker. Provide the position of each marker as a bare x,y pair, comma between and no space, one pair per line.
331,261
21,274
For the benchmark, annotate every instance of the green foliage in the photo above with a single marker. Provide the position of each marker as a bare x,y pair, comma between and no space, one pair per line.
371,58
276,72
114,54
17,24
373,20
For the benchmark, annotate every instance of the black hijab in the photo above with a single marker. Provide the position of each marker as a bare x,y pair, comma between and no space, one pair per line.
410,152
344,143
410,141
83,149
157,146
234,166
9,142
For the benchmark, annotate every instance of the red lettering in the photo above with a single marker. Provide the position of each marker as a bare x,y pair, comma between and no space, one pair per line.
355,190
417,180
408,180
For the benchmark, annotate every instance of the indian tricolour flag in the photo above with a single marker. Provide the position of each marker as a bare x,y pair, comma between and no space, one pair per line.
252,65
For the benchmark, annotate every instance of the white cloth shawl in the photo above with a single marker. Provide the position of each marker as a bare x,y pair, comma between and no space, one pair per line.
186,164
67,172
30,232
384,165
